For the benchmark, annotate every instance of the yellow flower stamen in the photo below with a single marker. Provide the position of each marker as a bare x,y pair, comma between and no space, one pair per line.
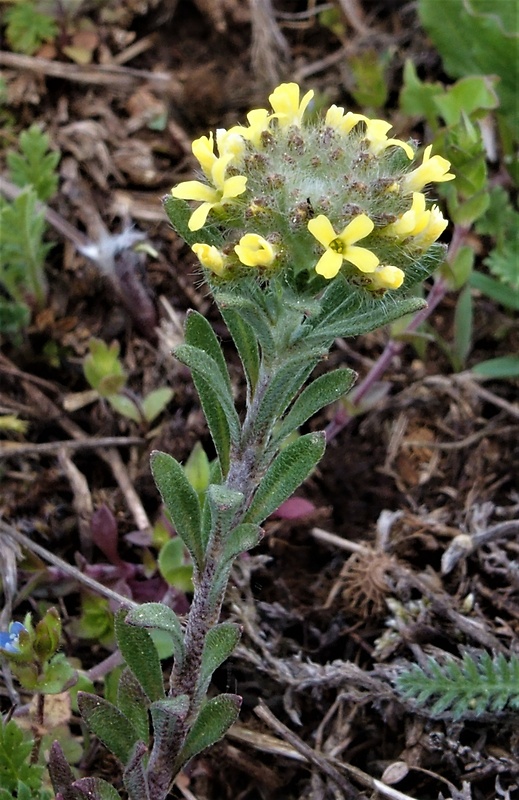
340,247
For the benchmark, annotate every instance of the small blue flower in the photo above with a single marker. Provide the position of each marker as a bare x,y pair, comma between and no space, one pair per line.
9,640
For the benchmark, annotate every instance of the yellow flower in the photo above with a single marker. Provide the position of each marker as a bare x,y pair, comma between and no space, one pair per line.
340,247
432,170
210,257
258,120
203,151
336,118
411,222
387,277
436,224
285,102
226,189
255,251
376,130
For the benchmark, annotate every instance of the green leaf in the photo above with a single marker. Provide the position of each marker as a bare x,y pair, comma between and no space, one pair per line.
244,537
166,715
172,567
199,334
365,321
213,721
463,317
179,213
291,467
323,390
125,406
133,703
496,290
109,724
246,344
15,750
134,775
35,165
103,369
282,388
95,789
198,470
140,655
218,646
224,504
180,500
504,367
491,28
27,28
252,314
22,250
417,97
155,402
157,616
207,370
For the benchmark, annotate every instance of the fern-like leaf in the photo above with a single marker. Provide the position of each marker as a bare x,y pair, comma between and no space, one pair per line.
35,165
469,686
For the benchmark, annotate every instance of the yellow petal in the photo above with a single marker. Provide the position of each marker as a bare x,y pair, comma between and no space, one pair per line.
329,264
322,229
255,251
199,216
203,151
388,277
363,259
358,228
232,187
195,190
210,257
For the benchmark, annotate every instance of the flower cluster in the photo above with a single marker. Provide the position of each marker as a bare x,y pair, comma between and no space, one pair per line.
285,194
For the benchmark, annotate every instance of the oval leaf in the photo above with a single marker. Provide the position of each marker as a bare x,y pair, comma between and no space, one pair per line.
138,650
291,467
180,500
214,720
109,724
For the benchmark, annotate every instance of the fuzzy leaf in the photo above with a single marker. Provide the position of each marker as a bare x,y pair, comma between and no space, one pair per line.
199,334
207,370
180,500
140,655
252,315
213,721
109,724
133,703
322,391
157,616
291,467
246,344
218,646
165,715
134,775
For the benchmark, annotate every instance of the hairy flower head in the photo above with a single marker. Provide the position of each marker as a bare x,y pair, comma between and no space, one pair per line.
310,199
